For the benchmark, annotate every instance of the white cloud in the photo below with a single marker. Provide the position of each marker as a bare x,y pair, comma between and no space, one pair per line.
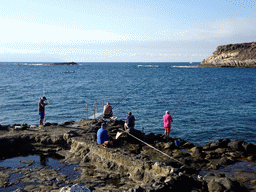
218,31
230,28
5,50
22,31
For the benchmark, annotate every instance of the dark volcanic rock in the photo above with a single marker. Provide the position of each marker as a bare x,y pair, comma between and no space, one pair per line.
219,182
236,145
129,165
197,152
249,148
222,143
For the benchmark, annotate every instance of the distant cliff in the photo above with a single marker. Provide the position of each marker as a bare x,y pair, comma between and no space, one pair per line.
232,55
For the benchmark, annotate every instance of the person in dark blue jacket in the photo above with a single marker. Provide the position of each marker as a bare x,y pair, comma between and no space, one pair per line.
130,121
102,134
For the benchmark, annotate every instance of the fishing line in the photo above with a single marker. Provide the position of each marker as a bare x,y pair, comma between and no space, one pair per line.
130,92
48,103
44,109
127,94
179,103
162,153
156,149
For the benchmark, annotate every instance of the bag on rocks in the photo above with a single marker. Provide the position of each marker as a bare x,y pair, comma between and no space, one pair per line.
177,142
107,144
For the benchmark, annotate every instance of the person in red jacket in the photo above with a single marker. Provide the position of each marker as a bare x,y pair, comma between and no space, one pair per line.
167,118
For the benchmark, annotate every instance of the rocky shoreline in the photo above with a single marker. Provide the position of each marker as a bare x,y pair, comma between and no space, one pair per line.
128,166
232,55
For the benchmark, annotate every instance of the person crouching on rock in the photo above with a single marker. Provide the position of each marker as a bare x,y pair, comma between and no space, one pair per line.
107,112
102,137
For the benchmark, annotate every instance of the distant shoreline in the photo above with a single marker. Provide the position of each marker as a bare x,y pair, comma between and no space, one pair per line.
63,63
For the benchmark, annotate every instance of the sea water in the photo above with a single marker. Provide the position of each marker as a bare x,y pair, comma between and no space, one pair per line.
209,103
38,160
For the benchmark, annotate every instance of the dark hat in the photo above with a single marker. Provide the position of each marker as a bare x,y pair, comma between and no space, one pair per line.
44,98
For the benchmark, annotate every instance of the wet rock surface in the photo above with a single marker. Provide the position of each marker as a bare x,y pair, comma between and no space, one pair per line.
129,165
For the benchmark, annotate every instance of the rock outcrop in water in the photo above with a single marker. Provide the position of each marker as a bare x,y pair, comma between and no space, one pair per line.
232,55
128,166
64,63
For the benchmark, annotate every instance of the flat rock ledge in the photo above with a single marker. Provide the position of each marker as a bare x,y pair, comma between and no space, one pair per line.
129,165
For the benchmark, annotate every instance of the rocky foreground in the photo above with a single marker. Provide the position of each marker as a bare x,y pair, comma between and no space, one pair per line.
129,165
232,55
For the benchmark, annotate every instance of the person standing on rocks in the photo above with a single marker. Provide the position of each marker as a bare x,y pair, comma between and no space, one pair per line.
167,118
130,121
41,110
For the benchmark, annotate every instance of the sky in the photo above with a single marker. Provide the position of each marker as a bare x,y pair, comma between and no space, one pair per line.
122,30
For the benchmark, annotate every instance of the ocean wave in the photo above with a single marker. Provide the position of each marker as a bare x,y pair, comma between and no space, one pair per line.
38,64
184,67
150,66
31,64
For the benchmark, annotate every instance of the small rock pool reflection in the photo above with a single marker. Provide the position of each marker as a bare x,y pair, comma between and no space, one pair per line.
242,171
14,169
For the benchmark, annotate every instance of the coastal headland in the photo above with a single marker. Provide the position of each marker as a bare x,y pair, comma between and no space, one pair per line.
130,165
232,55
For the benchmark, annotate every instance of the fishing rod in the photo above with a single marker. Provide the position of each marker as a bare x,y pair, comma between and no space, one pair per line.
47,103
124,96
151,146
44,111
179,103
184,164
130,92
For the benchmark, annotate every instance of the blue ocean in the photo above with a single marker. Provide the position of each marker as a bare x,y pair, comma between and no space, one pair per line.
207,104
